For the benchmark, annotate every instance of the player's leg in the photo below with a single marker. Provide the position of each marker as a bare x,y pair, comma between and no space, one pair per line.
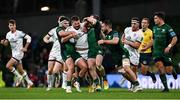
101,70
92,70
24,75
50,77
159,64
64,76
81,63
145,71
70,64
131,75
169,67
57,72
9,66
144,63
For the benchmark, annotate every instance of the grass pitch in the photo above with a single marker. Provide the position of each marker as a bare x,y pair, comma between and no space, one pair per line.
58,93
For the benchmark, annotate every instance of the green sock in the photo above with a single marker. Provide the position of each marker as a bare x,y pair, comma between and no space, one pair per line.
136,83
96,81
79,79
163,80
68,83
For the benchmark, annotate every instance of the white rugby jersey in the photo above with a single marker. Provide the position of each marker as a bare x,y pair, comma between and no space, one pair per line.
81,41
56,45
16,42
132,36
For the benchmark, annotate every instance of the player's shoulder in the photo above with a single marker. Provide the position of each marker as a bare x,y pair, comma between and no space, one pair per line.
167,26
127,30
18,31
53,29
70,28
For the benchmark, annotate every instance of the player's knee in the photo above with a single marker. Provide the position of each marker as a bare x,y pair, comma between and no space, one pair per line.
8,66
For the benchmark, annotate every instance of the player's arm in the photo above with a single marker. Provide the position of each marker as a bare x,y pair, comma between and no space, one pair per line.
173,40
4,42
103,36
28,41
115,40
149,45
172,43
133,44
68,36
47,39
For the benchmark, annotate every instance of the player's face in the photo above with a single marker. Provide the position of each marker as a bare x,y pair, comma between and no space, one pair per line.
76,24
134,25
66,24
12,27
104,28
156,20
144,24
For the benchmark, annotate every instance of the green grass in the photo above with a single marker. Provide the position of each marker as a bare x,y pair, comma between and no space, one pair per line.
113,93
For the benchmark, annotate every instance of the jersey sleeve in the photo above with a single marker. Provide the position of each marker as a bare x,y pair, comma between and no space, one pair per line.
171,31
22,34
50,33
140,37
7,36
116,34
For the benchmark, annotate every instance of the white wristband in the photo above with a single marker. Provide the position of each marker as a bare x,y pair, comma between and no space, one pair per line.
170,45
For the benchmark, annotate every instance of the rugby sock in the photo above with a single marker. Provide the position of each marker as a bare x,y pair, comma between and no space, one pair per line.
135,83
79,79
174,74
164,80
15,72
64,79
152,76
96,81
25,76
68,83
49,80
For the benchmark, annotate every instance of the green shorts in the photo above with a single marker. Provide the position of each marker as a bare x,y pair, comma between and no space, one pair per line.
69,51
92,53
165,58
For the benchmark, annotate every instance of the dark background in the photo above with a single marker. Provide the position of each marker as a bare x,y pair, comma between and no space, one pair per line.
36,23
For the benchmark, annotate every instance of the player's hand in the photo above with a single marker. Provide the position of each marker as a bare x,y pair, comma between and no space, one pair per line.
24,49
167,49
126,42
74,35
143,49
2,41
101,42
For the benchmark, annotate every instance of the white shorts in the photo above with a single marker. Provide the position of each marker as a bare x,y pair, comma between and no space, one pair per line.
84,54
134,60
55,56
18,57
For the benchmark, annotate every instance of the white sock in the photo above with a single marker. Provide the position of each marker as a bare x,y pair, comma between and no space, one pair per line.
49,80
26,77
15,72
64,78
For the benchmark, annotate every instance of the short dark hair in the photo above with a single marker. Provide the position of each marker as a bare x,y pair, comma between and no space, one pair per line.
63,18
135,18
160,14
12,21
108,22
145,18
96,16
75,18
